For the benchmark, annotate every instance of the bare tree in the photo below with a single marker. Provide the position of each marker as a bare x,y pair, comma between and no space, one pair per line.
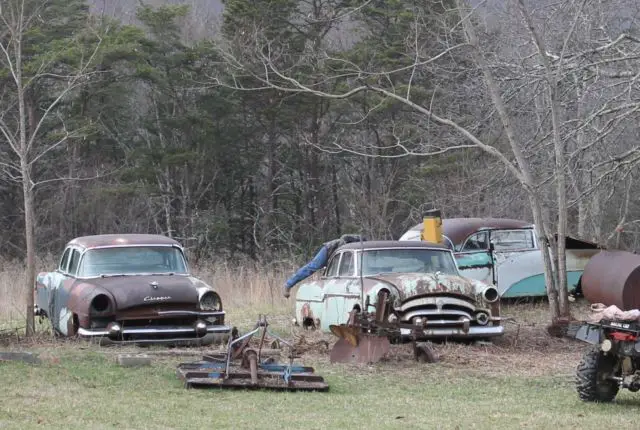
23,119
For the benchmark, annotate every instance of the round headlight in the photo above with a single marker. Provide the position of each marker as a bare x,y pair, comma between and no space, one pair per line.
490,295
210,301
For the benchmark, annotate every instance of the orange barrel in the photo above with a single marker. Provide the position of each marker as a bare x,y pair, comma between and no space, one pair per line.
613,278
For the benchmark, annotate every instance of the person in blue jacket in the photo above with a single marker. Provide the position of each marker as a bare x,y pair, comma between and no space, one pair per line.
320,260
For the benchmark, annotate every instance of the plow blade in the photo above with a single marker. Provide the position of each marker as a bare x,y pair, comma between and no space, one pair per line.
205,374
368,349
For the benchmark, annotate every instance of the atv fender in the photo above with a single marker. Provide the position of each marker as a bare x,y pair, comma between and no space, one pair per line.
589,334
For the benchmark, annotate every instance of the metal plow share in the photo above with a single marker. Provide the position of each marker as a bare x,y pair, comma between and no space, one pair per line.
242,366
355,345
365,336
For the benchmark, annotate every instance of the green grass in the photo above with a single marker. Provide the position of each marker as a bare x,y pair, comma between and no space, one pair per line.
85,388
523,381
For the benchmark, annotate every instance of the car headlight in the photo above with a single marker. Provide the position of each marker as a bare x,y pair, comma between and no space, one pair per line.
100,304
210,301
490,295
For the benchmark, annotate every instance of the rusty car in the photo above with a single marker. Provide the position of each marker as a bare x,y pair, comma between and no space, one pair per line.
129,288
422,281
506,253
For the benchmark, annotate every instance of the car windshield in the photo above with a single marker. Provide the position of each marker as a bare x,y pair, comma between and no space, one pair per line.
131,261
408,261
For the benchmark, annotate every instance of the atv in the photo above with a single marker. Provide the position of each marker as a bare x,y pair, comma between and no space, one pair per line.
613,362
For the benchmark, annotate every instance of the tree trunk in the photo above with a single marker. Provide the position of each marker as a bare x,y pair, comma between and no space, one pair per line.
30,244
526,177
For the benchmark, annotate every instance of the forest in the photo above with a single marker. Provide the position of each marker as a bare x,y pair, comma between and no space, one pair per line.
260,129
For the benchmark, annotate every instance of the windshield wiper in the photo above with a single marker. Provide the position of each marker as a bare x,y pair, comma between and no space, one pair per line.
111,275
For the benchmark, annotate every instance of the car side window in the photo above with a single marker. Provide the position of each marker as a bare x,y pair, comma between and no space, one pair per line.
346,264
477,241
512,239
64,260
332,269
73,264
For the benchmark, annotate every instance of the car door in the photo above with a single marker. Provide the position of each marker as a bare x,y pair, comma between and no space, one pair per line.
518,263
474,259
341,293
58,290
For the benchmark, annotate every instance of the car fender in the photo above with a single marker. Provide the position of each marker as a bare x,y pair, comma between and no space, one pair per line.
375,286
79,303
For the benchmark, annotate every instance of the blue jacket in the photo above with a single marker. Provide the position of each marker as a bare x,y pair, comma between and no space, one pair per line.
321,259
318,262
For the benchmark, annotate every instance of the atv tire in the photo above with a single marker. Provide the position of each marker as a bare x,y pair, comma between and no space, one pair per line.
591,382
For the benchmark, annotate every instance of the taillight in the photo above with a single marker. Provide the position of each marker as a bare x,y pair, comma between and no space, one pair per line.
624,337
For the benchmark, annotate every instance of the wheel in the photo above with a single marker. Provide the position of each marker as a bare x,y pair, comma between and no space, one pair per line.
591,377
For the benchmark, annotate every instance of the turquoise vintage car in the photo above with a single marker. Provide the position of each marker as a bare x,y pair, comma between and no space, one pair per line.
422,280
506,253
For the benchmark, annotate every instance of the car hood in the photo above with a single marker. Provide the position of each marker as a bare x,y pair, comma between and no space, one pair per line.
136,290
412,284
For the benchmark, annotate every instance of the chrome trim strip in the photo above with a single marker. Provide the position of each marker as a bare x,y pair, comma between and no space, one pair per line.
198,313
474,331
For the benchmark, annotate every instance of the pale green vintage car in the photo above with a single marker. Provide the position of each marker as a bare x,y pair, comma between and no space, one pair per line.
421,278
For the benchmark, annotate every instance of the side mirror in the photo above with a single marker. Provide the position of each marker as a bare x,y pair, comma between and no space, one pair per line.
492,247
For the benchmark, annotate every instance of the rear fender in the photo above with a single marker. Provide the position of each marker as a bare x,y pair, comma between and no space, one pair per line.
590,334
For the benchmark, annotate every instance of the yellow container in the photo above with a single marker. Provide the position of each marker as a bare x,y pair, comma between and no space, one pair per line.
432,227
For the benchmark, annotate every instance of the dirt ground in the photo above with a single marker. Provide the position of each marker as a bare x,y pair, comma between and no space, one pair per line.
526,349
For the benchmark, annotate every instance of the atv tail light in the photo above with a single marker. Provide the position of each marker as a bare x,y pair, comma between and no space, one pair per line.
620,336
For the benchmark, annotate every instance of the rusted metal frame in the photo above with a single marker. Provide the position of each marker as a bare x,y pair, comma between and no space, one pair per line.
263,326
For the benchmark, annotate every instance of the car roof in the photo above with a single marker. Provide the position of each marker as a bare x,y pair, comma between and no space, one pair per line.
399,244
458,229
106,240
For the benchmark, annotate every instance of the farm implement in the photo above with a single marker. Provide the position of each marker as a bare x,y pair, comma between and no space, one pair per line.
365,336
246,366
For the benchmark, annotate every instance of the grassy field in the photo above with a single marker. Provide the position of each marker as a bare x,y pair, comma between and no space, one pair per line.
524,380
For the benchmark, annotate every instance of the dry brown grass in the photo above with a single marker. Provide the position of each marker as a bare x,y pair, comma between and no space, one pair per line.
241,287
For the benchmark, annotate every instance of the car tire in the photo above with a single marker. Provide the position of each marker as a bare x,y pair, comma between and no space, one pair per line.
590,377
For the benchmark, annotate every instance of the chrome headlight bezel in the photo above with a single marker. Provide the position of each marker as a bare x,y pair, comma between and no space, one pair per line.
210,301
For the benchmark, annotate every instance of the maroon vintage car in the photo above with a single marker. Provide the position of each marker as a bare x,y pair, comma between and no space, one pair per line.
129,288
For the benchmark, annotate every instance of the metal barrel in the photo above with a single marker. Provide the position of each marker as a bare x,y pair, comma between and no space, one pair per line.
613,278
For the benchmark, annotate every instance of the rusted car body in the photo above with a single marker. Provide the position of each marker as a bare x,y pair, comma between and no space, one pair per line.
506,253
129,288
422,281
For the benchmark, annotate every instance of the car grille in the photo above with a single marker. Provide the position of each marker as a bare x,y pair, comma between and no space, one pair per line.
449,310
147,316
151,311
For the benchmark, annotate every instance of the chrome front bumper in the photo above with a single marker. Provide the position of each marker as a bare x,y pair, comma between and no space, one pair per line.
153,331
455,332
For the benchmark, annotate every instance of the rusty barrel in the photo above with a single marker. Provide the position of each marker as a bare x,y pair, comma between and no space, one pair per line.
613,278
